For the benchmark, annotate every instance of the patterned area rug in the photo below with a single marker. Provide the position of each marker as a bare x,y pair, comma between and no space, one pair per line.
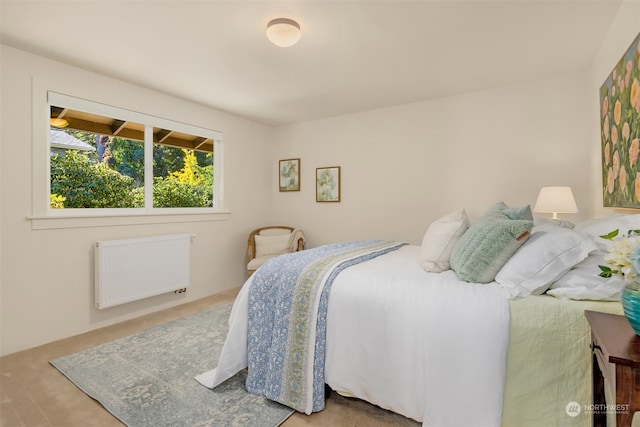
146,379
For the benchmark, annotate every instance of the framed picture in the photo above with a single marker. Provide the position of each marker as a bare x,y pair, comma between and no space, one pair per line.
328,184
620,131
289,175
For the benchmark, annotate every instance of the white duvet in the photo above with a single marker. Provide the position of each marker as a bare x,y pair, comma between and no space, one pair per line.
424,345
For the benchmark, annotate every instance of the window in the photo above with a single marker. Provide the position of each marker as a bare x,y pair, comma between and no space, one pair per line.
109,160
181,177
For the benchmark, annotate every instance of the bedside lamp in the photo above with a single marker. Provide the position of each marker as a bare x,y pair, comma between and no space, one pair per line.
555,200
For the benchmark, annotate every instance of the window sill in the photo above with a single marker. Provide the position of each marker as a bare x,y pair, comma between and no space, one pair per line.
102,220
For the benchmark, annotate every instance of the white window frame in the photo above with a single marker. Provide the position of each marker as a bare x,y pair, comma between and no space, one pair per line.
45,217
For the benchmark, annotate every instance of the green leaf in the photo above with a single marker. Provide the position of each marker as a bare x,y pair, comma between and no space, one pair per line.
606,271
611,235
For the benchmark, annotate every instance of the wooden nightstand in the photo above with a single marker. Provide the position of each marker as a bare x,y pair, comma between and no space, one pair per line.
616,357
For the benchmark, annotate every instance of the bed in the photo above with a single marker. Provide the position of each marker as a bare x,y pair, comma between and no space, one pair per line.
512,351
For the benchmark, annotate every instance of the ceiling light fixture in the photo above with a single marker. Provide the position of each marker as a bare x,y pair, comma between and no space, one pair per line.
58,122
283,32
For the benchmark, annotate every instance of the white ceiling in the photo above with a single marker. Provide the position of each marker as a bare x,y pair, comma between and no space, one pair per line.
353,56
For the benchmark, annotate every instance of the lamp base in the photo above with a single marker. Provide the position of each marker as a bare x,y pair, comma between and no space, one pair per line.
561,223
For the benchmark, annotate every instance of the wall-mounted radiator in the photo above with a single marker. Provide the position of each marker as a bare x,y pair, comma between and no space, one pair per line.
132,269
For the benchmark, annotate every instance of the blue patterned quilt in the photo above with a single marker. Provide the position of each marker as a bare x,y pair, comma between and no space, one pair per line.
287,320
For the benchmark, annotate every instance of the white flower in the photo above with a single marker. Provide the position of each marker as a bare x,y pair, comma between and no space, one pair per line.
618,259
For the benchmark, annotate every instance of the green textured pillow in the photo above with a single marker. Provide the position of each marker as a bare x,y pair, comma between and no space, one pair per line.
490,242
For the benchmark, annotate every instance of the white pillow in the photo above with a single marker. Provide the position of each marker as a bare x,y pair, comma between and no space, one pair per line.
440,239
549,253
272,245
600,226
583,282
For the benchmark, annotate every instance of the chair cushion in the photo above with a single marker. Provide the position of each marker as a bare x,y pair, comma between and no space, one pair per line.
272,244
257,262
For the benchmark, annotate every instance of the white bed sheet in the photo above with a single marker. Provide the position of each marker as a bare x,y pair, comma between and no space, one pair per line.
424,345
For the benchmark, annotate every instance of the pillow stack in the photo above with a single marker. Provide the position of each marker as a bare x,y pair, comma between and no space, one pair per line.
489,243
505,247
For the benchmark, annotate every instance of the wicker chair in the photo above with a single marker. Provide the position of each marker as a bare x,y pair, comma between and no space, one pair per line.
265,243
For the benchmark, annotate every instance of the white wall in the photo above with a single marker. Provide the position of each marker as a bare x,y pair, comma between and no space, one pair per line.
621,33
46,276
405,166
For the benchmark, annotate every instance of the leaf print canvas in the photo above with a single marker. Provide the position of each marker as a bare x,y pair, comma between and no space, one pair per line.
328,184
289,170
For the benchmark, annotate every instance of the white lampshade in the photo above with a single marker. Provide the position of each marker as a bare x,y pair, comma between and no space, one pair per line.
283,32
556,200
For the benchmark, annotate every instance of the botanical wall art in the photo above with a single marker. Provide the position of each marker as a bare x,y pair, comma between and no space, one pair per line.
289,175
328,184
620,131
